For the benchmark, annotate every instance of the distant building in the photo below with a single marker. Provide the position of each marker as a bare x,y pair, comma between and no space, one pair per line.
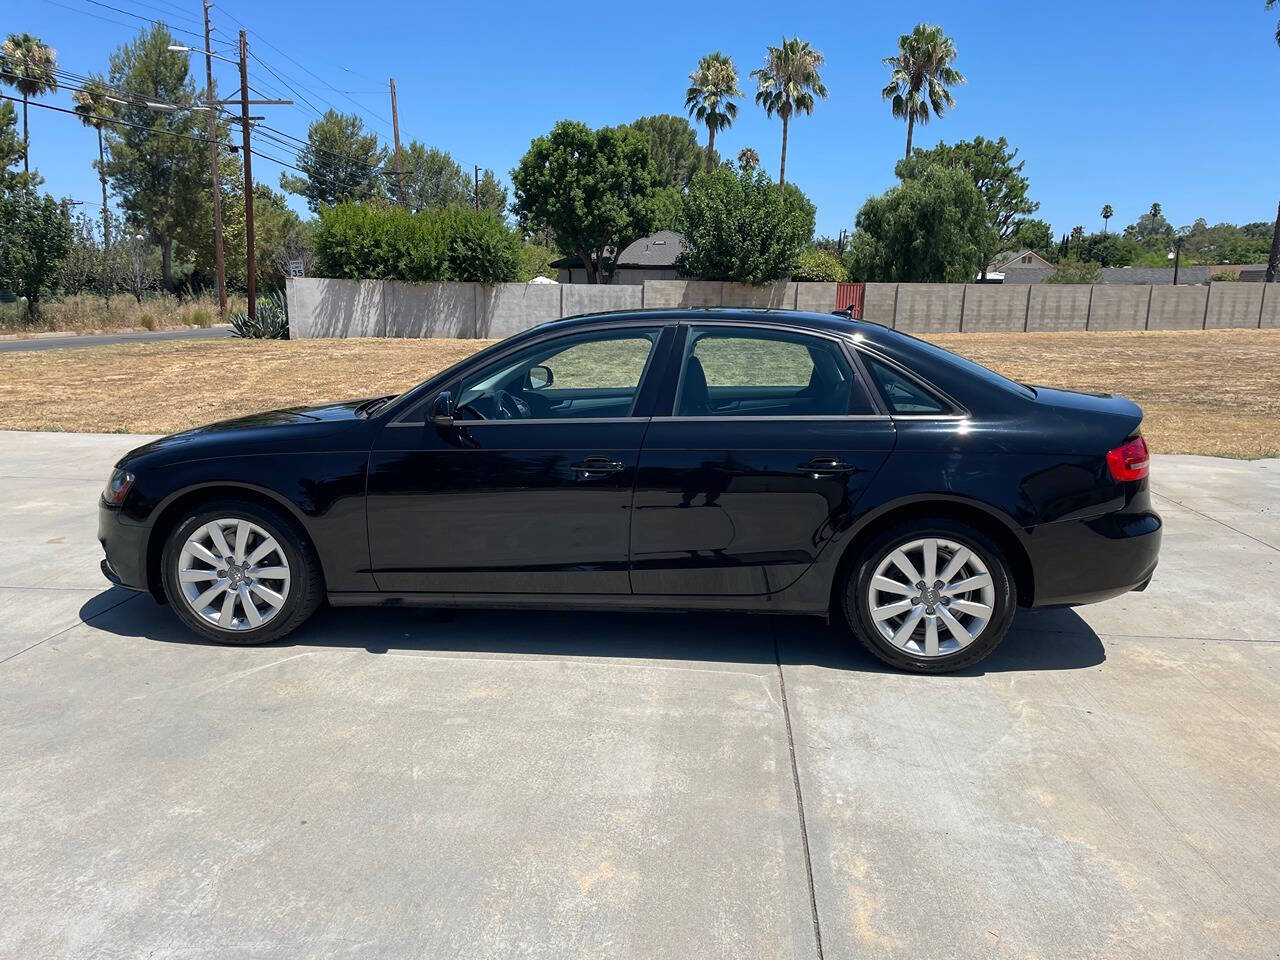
649,258
1131,275
1018,258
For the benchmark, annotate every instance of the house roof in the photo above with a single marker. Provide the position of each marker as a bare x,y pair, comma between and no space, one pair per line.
1009,257
1120,275
658,251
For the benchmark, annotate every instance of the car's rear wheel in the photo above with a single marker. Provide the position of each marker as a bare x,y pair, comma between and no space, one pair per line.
239,572
931,595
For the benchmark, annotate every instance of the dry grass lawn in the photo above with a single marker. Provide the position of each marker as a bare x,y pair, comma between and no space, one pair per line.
1215,392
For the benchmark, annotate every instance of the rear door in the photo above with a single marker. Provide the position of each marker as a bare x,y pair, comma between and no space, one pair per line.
767,442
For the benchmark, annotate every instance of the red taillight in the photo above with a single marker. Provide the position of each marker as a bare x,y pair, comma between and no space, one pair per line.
1129,461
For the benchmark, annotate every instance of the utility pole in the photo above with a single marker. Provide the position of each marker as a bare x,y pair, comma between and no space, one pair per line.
250,270
395,128
213,161
477,193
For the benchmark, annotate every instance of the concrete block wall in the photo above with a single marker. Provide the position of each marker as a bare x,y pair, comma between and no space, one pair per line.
1235,304
373,308
1117,307
880,302
1178,308
929,307
995,307
1270,313
1058,307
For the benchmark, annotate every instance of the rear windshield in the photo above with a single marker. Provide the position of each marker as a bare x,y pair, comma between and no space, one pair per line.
933,354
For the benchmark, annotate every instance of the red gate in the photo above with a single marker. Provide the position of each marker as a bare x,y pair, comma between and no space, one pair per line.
849,295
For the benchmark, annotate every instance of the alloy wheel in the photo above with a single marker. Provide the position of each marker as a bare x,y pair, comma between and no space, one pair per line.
931,597
233,574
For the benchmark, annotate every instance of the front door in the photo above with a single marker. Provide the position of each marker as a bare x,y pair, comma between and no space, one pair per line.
771,442
529,490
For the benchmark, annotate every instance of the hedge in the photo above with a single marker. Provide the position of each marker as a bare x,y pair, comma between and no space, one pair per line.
368,241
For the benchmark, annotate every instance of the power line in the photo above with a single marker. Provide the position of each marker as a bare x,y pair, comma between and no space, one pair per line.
116,122
150,20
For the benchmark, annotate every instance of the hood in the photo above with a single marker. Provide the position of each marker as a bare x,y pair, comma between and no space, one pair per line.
271,431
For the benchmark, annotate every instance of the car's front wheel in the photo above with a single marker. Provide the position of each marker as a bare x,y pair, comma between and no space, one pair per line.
930,595
239,572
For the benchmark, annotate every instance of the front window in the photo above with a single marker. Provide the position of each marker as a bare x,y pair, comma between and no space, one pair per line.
737,372
590,375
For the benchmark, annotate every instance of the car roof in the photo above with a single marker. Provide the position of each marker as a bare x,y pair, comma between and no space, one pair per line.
825,322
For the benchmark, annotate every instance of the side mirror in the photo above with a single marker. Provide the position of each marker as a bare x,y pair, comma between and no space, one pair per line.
541,377
442,409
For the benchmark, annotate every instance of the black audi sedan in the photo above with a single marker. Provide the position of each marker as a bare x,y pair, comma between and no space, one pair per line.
749,460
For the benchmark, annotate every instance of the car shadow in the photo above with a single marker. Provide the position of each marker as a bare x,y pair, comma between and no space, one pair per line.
1038,640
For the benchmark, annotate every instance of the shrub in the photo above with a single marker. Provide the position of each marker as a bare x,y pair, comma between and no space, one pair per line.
1075,271
535,261
739,227
482,248
819,265
370,241
1224,276
272,322
200,317
147,321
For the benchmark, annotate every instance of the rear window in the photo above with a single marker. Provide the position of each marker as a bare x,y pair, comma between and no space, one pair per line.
903,395
935,354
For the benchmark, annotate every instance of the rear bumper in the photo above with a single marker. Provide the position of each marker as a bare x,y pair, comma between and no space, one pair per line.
1084,561
125,547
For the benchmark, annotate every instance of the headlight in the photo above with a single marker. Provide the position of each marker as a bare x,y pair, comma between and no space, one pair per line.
117,487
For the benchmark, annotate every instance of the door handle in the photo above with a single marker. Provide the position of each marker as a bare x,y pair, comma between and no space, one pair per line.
820,467
597,467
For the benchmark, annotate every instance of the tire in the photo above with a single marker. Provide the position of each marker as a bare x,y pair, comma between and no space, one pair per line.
951,612
288,569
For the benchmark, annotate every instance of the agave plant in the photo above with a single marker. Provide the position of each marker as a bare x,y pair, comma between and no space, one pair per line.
271,323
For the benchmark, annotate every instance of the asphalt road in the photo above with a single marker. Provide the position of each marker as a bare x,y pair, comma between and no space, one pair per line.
97,340
400,783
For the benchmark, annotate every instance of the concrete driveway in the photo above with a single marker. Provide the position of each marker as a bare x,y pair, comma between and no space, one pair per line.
394,784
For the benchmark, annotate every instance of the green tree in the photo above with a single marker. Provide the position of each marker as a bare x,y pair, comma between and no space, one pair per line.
35,237
788,82
1107,214
493,195
340,163
589,188
673,145
819,266
668,209
739,227
10,149
748,158
931,228
28,65
432,179
1035,235
712,86
992,167
1152,230
158,162
1106,249
93,107
1071,270
921,73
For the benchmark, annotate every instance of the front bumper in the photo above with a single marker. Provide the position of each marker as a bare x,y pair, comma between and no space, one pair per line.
125,547
1084,561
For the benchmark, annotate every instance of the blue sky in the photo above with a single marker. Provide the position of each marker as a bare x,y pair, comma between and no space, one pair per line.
1123,102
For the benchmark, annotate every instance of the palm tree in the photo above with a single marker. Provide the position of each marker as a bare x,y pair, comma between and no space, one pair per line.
93,107
1157,211
788,82
922,72
1107,214
748,159
708,99
28,65
1270,4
